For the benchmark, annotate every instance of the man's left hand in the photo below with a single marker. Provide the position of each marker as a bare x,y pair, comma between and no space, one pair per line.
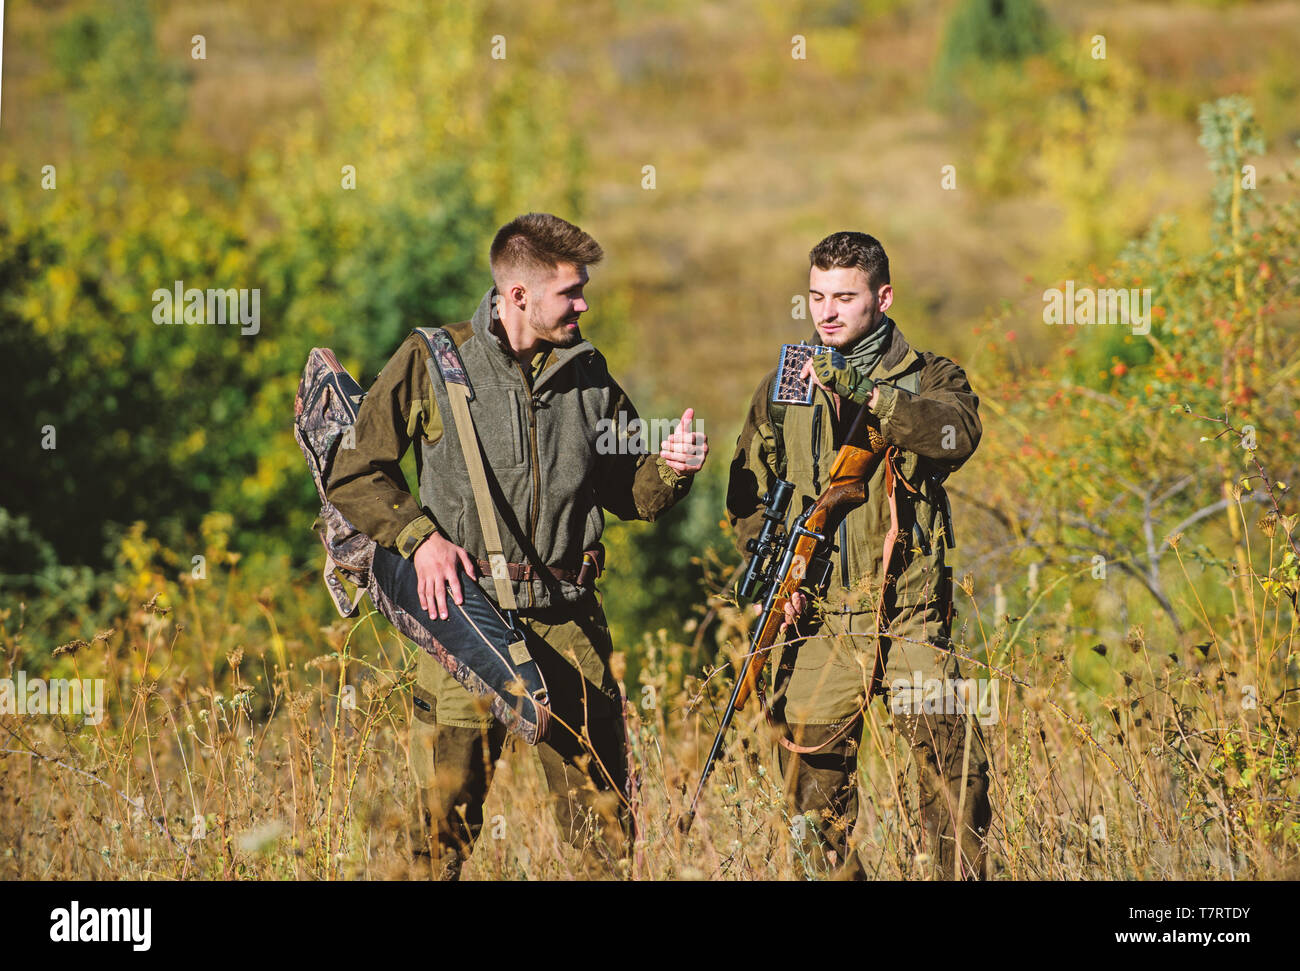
834,374
684,451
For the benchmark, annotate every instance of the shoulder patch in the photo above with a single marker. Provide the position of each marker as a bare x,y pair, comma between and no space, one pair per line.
442,351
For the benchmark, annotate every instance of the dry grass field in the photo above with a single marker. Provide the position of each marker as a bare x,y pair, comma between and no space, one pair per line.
1145,725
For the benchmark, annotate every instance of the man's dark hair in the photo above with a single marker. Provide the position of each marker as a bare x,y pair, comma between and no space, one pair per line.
537,243
853,249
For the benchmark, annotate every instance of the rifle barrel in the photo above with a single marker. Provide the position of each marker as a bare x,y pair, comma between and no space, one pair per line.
876,447
730,710
727,715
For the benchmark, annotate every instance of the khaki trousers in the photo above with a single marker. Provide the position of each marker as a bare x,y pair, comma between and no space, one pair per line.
822,677
456,743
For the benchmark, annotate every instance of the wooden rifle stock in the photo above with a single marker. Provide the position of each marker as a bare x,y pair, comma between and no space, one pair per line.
852,470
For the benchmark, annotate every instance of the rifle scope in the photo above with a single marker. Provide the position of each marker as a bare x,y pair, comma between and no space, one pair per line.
777,503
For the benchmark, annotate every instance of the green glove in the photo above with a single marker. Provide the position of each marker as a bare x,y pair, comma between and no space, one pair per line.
837,374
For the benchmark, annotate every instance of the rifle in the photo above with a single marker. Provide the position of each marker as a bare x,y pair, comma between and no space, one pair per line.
780,564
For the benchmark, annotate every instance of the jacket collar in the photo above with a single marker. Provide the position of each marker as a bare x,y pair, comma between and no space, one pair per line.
899,357
559,356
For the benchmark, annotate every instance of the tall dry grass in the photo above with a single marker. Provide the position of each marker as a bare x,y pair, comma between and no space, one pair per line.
243,740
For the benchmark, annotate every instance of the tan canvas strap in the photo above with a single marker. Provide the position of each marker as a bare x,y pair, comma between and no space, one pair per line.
487,514
447,360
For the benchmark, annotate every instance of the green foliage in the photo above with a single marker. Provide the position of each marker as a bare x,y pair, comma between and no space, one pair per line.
110,48
982,33
655,578
159,423
1230,136
1055,128
1218,316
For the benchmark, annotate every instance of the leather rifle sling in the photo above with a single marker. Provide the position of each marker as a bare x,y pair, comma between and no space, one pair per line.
891,541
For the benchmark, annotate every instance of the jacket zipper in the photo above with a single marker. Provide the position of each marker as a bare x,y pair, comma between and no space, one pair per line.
817,450
537,471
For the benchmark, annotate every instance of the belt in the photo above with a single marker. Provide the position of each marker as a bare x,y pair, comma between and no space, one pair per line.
593,564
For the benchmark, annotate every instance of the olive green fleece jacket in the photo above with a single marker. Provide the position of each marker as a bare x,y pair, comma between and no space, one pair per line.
539,426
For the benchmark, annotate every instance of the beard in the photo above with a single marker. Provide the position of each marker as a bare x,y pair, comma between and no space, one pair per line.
560,334
841,340
848,337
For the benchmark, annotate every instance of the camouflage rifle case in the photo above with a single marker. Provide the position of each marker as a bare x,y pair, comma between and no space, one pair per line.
475,644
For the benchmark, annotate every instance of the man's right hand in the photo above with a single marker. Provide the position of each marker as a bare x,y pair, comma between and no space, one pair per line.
437,561
793,608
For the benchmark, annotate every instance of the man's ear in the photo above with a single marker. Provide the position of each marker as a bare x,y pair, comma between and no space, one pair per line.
518,295
886,297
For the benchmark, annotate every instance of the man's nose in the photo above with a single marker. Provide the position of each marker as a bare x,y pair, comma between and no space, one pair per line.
580,305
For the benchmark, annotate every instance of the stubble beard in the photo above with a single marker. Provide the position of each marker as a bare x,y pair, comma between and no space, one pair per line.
842,341
559,335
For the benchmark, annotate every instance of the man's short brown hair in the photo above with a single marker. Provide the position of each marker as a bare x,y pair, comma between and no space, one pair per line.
842,250
536,243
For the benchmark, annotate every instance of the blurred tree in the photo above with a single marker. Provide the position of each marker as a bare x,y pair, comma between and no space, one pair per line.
1101,458
982,33
165,423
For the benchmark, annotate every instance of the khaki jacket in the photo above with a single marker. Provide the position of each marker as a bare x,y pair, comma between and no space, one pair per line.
927,409
545,437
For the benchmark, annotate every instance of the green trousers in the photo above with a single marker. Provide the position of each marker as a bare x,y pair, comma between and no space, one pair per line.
456,743
822,678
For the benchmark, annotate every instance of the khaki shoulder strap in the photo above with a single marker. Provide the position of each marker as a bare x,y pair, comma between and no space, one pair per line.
447,359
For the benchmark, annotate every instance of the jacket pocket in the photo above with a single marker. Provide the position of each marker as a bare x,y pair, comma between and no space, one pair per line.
505,438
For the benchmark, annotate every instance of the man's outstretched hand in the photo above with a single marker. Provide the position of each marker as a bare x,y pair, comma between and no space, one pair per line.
436,562
684,451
